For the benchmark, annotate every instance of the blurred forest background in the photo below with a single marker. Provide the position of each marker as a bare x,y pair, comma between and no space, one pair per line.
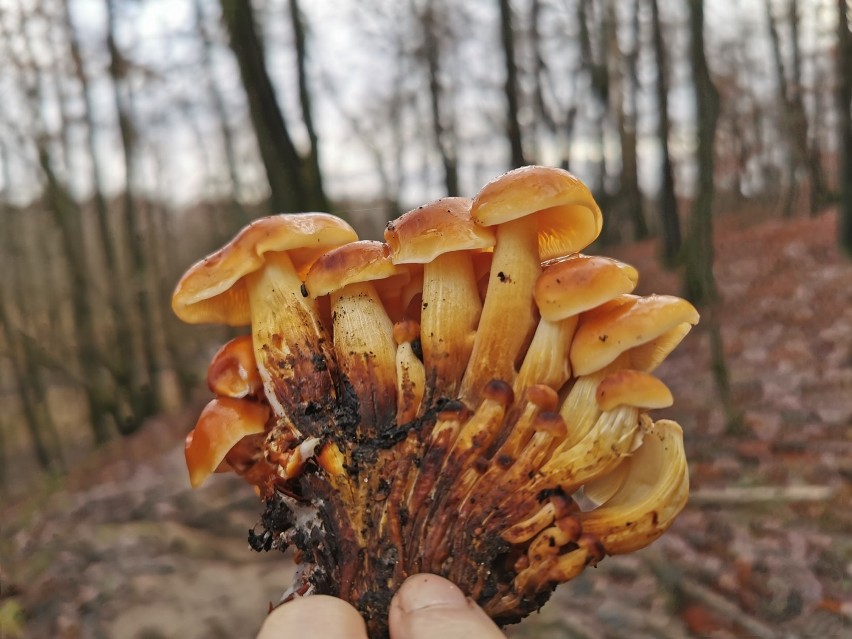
138,135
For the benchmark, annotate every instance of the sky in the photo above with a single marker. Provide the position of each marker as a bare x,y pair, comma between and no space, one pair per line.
355,70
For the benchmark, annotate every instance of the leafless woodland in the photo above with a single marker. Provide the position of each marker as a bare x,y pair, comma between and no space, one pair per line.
137,135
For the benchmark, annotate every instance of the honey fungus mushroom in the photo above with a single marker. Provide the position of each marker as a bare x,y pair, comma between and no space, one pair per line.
566,288
257,279
540,213
458,434
362,330
442,236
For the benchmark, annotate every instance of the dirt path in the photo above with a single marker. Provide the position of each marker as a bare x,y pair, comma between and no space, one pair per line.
124,549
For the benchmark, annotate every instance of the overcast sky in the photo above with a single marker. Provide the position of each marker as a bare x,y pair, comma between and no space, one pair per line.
352,67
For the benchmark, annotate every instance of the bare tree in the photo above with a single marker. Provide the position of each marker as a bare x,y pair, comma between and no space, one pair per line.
282,161
802,155
666,200
512,86
592,21
217,103
844,112
313,164
143,376
431,18
557,119
624,103
19,350
68,219
699,281
807,141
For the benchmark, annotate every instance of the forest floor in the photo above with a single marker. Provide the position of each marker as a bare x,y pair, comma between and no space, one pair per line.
123,548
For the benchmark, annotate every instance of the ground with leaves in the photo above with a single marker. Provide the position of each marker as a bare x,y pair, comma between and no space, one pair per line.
122,548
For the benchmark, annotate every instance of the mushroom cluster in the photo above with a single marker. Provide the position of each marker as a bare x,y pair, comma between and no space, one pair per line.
467,398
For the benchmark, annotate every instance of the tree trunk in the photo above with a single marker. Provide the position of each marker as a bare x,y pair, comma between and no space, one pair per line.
23,390
26,378
595,65
238,216
844,112
666,199
700,283
281,160
143,396
787,115
120,360
67,215
806,136
313,165
444,133
512,89
625,105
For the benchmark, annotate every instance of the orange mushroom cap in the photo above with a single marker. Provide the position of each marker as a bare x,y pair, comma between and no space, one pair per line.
233,370
213,290
353,263
632,388
581,282
428,231
222,423
567,215
625,323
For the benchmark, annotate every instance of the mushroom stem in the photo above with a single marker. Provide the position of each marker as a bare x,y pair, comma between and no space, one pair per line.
451,309
508,317
291,346
366,354
410,374
599,452
546,361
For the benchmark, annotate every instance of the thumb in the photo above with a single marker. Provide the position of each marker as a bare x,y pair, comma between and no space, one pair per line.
430,607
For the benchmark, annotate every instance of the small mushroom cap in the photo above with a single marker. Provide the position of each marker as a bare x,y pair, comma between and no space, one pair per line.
622,324
629,387
233,371
567,215
353,263
214,291
428,231
578,283
222,423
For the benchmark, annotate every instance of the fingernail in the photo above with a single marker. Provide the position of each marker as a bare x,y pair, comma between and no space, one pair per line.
425,591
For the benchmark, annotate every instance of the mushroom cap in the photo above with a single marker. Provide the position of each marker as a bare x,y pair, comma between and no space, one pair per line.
578,283
624,323
567,215
632,388
214,291
222,423
233,370
353,263
428,231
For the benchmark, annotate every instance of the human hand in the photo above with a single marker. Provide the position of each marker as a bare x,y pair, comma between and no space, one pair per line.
425,607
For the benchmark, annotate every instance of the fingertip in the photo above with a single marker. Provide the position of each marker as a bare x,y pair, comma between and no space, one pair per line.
314,616
423,591
431,607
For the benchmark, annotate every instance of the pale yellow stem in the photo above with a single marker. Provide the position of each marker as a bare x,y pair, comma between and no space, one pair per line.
366,353
450,312
508,316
